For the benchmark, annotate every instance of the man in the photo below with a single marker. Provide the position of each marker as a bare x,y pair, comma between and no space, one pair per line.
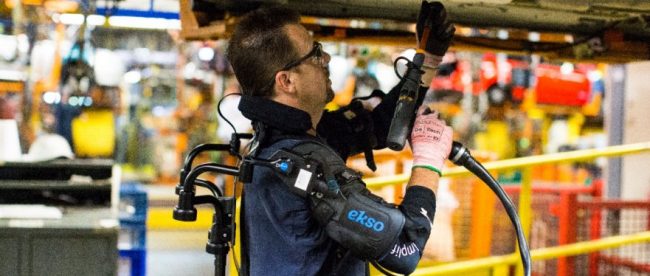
336,230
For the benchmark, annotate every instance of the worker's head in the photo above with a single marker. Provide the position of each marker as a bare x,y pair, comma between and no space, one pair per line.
275,57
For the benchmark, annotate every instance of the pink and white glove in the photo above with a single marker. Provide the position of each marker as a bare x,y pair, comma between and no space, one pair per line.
431,140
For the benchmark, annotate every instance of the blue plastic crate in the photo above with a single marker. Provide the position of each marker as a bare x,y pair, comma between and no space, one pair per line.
132,236
137,259
133,202
132,242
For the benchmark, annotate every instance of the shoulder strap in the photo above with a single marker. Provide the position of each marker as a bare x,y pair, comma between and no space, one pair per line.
330,162
305,165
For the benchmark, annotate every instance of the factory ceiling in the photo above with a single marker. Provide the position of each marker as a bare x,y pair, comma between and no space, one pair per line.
600,30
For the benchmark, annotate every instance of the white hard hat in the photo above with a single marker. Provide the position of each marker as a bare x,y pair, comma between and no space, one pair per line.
49,147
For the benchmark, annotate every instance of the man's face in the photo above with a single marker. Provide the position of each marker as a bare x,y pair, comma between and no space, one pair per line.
314,88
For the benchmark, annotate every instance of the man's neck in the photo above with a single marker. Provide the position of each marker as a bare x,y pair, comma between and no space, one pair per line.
315,118
312,132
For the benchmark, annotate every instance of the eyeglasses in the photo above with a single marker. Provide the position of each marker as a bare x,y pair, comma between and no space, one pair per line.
316,52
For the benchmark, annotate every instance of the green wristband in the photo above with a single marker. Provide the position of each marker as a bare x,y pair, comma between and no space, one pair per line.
428,167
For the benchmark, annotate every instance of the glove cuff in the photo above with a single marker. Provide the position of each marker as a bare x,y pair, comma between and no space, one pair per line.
429,167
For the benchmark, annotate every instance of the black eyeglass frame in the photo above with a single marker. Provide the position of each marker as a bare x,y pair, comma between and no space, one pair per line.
316,51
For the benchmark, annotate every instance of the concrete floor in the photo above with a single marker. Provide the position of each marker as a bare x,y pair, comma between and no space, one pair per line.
174,253
178,253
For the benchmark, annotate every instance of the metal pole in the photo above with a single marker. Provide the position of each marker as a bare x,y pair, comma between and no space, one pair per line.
614,124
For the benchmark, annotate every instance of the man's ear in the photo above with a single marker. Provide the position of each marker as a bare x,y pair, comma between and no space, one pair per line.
284,81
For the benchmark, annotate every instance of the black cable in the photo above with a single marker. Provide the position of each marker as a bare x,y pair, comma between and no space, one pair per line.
236,136
221,114
234,258
475,167
408,63
461,156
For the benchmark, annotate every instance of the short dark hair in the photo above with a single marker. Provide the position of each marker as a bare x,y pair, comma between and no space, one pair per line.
259,47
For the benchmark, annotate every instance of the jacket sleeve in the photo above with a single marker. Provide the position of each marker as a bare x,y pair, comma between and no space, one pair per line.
369,227
419,206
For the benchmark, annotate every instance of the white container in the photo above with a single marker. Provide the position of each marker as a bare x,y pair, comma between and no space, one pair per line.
9,141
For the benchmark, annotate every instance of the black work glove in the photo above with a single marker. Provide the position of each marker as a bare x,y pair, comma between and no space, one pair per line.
441,31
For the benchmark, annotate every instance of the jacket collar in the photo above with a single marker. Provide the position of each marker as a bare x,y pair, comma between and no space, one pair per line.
276,115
